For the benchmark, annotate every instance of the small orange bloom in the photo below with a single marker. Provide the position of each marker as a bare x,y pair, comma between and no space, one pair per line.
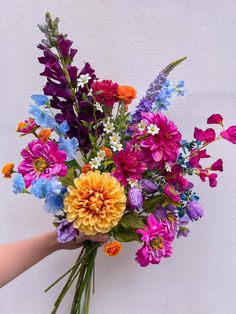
107,151
21,126
7,170
126,93
112,248
86,168
44,134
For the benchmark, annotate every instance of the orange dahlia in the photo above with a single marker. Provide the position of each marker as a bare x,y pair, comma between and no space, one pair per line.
96,203
112,248
44,134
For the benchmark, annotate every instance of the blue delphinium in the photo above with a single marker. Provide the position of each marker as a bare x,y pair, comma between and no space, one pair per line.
63,127
18,184
42,117
40,100
44,188
70,146
55,203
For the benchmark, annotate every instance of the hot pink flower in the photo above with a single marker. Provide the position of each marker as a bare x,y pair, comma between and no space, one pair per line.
42,160
217,165
171,193
212,177
215,119
230,134
195,157
208,135
162,147
106,92
129,165
27,126
157,240
176,178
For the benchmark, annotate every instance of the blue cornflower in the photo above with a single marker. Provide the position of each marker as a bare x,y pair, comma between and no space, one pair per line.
63,127
42,117
69,146
40,100
18,184
55,203
44,188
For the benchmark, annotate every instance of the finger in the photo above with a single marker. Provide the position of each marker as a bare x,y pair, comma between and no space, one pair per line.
99,237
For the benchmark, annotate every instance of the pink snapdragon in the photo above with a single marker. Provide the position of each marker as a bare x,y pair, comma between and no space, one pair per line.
229,134
208,136
215,119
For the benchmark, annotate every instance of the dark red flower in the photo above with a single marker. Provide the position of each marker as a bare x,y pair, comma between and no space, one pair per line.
105,92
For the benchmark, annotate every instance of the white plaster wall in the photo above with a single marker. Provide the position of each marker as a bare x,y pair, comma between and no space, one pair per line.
129,41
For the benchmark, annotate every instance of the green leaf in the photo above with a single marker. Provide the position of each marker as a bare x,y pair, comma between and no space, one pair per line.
69,178
73,164
92,139
131,220
151,204
125,235
108,162
86,124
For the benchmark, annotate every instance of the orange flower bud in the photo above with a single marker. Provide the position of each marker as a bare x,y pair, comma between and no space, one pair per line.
86,168
7,170
126,93
107,151
44,134
112,248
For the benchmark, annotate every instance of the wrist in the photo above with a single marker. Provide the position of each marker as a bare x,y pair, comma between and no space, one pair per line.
53,244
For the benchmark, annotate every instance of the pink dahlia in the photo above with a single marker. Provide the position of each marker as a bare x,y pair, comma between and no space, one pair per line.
157,240
105,92
42,160
162,147
129,165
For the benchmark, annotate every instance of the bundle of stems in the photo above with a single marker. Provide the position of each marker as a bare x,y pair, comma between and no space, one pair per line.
83,272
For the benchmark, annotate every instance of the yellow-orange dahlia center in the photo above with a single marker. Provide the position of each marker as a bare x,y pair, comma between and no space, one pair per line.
95,203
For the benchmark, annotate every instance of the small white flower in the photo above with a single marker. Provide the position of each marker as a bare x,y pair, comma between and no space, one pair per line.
108,126
116,147
114,138
141,125
98,106
83,79
95,162
134,183
101,154
167,167
153,129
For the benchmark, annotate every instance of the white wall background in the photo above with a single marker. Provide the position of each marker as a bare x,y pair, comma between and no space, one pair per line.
129,41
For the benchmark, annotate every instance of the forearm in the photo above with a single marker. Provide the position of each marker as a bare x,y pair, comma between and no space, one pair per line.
17,257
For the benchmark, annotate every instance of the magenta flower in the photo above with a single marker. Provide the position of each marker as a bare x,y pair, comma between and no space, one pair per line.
217,165
195,157
208,135
42,160
27,126
129,165
171,193
162,147
229,134
215,119
157,242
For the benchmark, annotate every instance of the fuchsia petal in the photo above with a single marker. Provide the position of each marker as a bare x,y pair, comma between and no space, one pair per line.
215,119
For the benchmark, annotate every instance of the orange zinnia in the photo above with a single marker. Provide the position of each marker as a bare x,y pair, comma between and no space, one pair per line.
44,134
126,93
86,168
7,170
107,151
112,248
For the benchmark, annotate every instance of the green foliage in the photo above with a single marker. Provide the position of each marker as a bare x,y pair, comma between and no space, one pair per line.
69,178
73,164
131,220
123,234
151,204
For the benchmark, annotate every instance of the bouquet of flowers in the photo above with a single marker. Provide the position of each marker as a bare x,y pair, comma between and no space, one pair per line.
103,169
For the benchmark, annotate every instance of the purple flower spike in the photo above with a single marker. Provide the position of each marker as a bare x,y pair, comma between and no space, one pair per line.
135,198
66,232
149,186
194,210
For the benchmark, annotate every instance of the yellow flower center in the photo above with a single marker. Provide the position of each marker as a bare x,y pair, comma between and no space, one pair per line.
157,243
40,164
96,202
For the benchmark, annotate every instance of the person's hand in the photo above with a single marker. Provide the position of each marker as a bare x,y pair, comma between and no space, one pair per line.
78,242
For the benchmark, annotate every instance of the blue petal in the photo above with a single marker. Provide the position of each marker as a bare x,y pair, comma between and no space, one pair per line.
40,100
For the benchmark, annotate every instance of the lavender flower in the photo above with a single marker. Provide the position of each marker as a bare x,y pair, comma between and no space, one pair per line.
149,185
194,210
66,232
183,231
135,198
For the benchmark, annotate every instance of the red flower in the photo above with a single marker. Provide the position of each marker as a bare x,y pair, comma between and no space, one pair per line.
105,92
215,119
230,134
204,136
